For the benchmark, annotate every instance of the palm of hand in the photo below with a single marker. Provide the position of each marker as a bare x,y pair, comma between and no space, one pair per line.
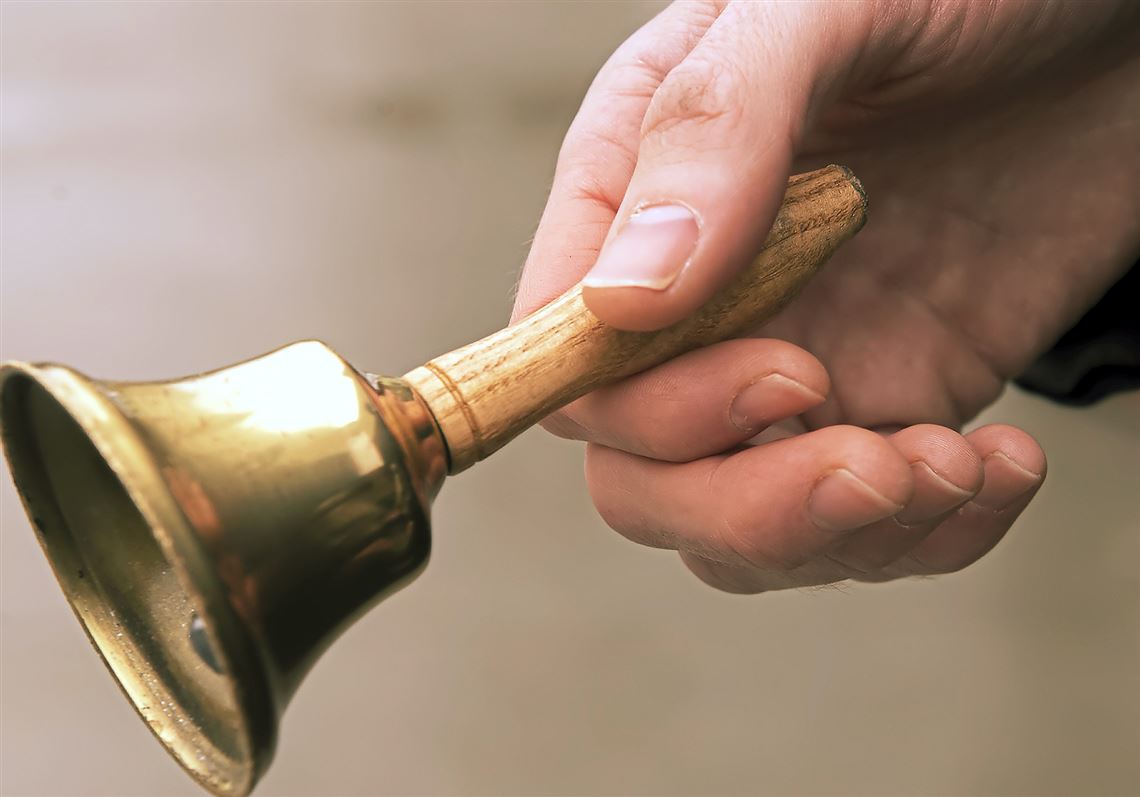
976,256
991,228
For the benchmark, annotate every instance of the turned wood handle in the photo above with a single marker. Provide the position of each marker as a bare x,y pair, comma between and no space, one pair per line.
485,393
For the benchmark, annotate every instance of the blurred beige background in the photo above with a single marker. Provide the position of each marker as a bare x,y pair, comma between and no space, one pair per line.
185,185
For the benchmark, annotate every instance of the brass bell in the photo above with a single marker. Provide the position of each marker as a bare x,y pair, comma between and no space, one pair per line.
215,534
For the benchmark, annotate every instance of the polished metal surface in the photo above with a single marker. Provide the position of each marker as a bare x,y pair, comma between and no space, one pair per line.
214,534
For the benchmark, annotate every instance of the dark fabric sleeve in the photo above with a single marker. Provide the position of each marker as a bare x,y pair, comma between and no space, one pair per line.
1099,356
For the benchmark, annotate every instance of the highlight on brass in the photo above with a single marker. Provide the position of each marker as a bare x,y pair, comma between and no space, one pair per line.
215,534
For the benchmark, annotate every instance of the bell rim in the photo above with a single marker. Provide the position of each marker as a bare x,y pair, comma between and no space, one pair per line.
112,435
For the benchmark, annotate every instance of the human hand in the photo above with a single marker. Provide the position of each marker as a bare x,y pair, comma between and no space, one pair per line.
1000,146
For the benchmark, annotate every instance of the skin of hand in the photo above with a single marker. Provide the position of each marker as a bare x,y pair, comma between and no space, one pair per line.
999,144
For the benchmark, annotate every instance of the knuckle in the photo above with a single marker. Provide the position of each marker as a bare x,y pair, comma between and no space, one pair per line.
588,182
856,442
621,513
743,533
589,160
698,91
760,546
631,422
603,480
649,443
620,502
856,437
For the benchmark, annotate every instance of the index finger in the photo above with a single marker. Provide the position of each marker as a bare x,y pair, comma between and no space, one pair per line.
599,153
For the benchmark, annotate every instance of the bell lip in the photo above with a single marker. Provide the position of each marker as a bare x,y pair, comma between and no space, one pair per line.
113,436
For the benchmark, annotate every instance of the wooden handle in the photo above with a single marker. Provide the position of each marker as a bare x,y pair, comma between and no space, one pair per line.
486,393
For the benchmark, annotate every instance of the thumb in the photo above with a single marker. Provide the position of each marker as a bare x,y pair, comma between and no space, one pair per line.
716,148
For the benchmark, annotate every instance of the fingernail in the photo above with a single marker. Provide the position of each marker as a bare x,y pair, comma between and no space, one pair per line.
841,501
769,399
649,252
1006,481
934,495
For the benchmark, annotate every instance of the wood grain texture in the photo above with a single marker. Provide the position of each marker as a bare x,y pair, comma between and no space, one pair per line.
486,393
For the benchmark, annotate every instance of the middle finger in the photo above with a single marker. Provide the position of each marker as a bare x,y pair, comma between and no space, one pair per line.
701,403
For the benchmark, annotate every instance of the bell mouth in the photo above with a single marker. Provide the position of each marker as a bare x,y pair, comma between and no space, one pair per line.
130,568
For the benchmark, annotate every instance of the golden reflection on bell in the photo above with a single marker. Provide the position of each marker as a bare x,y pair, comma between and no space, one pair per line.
214,534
